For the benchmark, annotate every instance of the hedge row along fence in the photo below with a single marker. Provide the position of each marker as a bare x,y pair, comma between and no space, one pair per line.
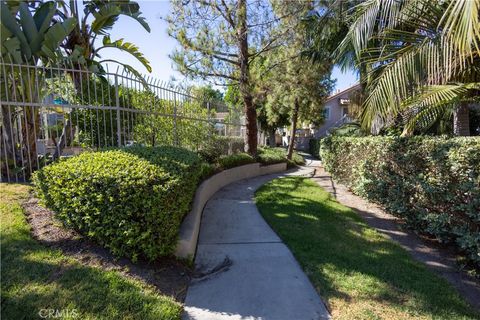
431,183
131,201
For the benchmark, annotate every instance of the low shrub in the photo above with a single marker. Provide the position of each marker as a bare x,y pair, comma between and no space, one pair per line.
130,200
433,183
296,159
314,147
235,160
217,146
267,155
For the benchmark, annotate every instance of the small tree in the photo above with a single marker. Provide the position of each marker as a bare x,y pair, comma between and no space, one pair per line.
297,85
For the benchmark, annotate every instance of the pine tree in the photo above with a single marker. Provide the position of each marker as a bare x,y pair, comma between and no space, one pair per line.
219,41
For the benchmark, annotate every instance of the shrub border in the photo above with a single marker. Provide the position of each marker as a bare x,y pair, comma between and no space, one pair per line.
190,228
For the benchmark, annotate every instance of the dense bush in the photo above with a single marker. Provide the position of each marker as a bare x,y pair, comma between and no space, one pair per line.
217,146
235,160
132,200
267,155
351,129
314,147
432,183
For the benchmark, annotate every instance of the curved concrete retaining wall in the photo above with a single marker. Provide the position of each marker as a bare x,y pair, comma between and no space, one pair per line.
190,227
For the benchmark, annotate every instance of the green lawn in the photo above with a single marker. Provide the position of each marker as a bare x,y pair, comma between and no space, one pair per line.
358,272
35,278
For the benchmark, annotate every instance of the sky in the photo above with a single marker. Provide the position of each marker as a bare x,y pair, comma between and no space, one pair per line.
157,45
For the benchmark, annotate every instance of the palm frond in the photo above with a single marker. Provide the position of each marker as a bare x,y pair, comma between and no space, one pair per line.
108,14
127,47
462,26
422,110
370,17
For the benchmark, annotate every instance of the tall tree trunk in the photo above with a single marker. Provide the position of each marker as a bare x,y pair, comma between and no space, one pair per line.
461,121
244,82
271,138
294,129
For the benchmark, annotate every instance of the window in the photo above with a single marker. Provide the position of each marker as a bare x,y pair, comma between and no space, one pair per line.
326,113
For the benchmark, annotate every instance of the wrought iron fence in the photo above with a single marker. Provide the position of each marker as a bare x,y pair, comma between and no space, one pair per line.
52,112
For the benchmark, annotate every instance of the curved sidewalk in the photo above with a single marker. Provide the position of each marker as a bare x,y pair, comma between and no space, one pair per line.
248,273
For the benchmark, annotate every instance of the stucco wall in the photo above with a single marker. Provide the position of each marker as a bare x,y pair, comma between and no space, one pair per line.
336,111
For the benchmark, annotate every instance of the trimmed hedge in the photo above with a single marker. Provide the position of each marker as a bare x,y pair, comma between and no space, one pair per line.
314,147
131,200
433,183
235,160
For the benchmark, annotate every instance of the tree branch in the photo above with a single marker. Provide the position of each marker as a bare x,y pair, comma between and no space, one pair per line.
210,74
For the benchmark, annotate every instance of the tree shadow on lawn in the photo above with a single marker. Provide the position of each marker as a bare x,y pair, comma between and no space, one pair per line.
348,260
36,278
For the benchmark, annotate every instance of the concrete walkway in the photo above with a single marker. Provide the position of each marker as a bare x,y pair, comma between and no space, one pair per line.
246,270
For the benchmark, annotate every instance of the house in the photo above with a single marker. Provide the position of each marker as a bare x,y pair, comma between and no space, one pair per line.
336,111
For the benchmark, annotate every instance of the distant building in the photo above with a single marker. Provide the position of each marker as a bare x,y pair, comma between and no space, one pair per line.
336,110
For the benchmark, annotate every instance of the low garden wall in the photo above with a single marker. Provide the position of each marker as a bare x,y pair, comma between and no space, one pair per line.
433,183
190,227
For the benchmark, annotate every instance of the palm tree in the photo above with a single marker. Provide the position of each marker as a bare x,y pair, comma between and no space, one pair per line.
98,19
421,57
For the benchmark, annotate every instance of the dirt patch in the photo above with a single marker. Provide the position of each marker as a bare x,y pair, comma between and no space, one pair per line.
168,275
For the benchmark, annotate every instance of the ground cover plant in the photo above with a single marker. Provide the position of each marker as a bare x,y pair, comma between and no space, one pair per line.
357,271
131,201
267,155
37,279
235,160
433,183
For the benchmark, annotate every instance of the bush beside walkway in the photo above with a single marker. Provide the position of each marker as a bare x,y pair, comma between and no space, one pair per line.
433,183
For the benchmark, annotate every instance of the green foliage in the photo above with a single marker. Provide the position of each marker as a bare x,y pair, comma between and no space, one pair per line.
267,155
34,35
314,147
419,75
158,129
155,127
216,146
431,183
348,130
235,160
96,21
132,200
